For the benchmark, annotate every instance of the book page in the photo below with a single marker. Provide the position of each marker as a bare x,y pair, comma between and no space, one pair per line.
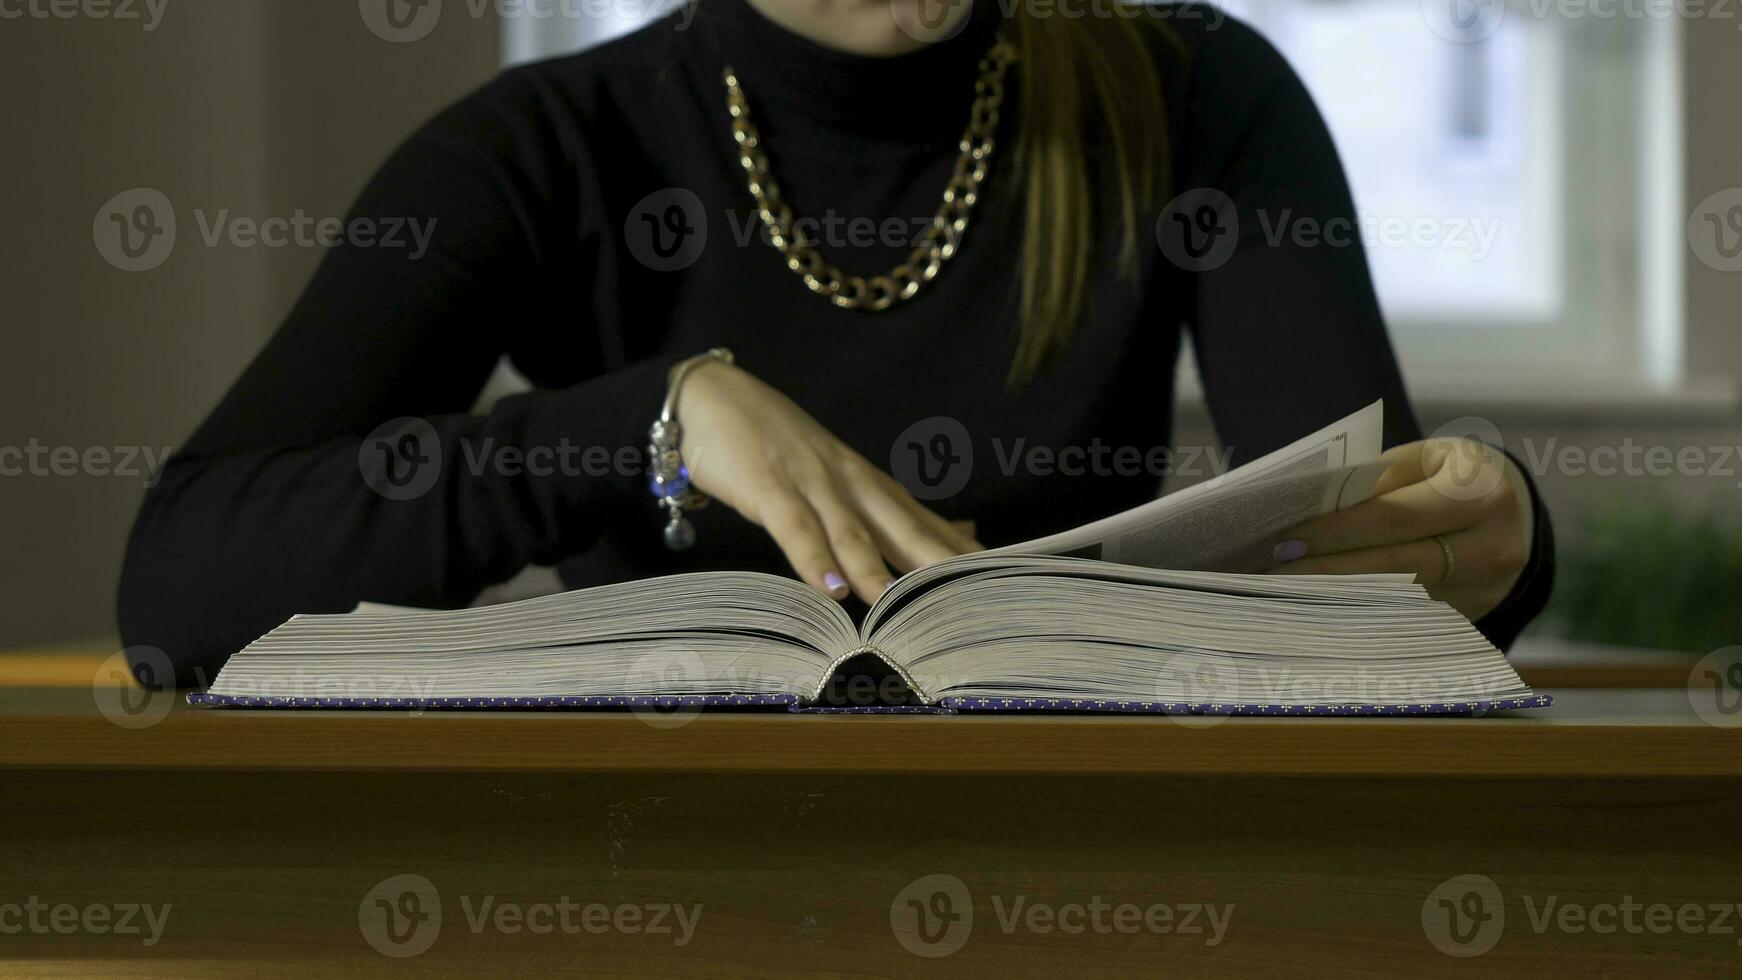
1222,524
1225,523
1062,628
1235,531
698,633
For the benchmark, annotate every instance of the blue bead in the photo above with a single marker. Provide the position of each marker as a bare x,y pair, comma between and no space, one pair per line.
674,487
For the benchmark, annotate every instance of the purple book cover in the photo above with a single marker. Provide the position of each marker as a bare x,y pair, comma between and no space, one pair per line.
948,705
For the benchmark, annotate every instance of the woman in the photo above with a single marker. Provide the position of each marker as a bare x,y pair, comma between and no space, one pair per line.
593,220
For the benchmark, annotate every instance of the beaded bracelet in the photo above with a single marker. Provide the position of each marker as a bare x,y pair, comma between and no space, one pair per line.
668,477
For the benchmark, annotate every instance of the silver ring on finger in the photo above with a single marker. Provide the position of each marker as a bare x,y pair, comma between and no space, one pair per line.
1451,560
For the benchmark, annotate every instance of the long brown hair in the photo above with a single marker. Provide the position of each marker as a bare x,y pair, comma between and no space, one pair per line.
1090,86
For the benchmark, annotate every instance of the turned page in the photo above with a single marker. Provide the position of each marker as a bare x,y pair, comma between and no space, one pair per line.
1226,523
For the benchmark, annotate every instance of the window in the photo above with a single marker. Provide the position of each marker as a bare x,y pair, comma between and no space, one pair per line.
1515,169
533,31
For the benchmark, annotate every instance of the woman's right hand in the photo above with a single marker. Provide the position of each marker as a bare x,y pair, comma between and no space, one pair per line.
840,520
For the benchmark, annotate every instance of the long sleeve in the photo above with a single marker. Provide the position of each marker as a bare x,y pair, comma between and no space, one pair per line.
1530,594
344,465
1285,324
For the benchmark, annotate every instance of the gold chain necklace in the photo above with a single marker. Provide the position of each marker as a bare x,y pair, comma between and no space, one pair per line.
941,239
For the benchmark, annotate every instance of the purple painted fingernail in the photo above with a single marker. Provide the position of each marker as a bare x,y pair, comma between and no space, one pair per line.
1291,550
834,582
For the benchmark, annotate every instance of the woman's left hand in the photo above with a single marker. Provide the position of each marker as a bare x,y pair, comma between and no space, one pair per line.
1438,497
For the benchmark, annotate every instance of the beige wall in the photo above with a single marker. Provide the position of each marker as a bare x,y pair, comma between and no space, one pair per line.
258,106
1713,49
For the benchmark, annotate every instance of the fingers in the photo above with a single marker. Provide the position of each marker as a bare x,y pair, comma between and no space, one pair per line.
1454,497
1482,572
854,545
1459,490
904,538
1406,467
960,535
1411,513
1423,559
789,519
1463,463
843,524
909,535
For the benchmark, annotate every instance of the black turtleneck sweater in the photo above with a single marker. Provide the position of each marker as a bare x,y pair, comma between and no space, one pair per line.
538,185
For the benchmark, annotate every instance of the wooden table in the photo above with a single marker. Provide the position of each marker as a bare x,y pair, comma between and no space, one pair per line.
862,846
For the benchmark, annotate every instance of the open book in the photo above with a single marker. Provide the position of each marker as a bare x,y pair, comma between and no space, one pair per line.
1156,609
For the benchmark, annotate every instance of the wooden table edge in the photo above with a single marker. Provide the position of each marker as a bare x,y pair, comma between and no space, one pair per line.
774,744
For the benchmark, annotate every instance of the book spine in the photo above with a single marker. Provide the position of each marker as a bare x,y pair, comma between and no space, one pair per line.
835,665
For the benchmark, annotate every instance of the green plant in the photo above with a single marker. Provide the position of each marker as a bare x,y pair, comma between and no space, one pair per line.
1638,574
